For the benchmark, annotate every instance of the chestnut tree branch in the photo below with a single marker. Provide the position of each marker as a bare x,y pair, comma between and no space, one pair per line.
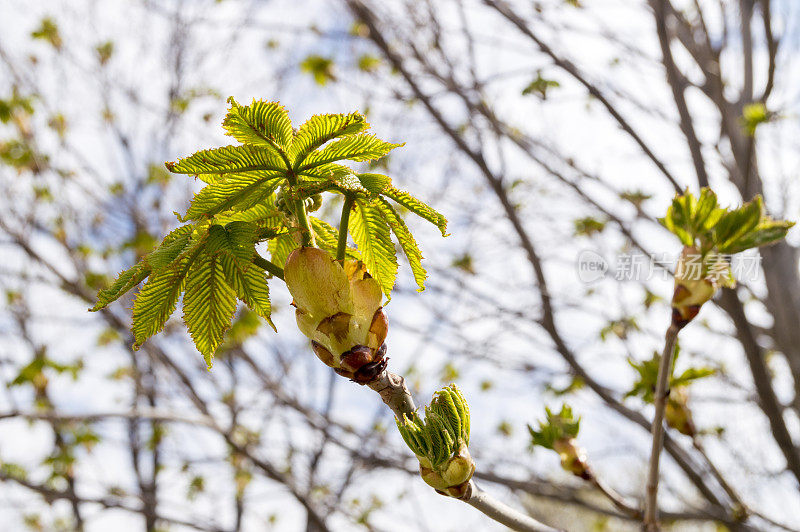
662,385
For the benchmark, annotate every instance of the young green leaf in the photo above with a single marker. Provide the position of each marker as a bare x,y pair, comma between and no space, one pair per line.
354,148
327,238
156,301
417,207
321,68
375,183
406,240
170,248
766,232
240,240
645,384
263,215
753,115
250,285
124,282
372,237
280,247
699,221
208,305
555,427
263,124
228,160
320,129
329,172
735,224
236,191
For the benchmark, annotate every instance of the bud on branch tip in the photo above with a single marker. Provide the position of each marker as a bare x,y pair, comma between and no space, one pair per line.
441,442
558,432
710,235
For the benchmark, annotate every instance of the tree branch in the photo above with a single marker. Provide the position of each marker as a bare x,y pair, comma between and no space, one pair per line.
506,515
687,464
662,390
505,10
676,83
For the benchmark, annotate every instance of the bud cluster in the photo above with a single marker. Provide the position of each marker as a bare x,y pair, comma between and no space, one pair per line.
677,412
339,308
710,235
558,432
697,279
441,442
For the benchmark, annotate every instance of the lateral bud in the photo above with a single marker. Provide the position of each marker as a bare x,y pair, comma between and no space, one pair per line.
573,457
677,412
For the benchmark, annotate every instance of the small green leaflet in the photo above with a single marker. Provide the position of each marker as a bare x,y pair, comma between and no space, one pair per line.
320,129
382,185
124,282
405,238
645,385
171,247
280,247
555,427
156,301
264,124
230,194
161,257
209,304
229,160
371,235
250,285
355,148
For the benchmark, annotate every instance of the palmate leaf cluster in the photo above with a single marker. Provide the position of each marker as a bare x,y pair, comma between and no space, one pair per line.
701,223
258,191
555,427
647,370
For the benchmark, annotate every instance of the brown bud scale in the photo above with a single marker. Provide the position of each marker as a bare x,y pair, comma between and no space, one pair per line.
368,372
355,358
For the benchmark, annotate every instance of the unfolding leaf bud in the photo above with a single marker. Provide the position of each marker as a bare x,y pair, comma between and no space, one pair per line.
573,457
459,468
441,442
282,205
339,308
697,278
317,282
453,480
677,412
314,203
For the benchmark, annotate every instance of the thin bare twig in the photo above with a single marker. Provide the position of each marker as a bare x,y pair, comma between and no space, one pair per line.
662,385
504,514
